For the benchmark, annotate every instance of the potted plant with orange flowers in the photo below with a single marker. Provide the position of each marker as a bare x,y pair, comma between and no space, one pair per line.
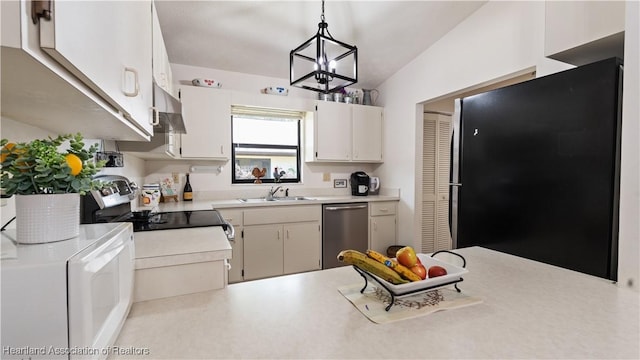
48,183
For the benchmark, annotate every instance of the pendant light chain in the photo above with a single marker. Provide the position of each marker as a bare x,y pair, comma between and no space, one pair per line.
322,16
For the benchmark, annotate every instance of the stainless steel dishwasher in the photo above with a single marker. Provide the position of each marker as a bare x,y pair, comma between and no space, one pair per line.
344,226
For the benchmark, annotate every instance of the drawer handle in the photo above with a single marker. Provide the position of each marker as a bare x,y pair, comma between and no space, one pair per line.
384,210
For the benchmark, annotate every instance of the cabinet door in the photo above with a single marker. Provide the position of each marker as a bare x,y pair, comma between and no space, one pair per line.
301,247
333,131
161,65
207,117
383,232
367,133
263,254
107,45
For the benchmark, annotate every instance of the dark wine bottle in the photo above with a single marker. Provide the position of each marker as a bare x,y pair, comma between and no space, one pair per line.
187,194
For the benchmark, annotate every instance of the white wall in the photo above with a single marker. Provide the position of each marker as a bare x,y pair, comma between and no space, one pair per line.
497,41
184,74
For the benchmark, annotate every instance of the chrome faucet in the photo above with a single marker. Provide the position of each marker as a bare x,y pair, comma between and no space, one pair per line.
272,192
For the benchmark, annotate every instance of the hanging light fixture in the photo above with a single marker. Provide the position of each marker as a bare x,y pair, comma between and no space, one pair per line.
327,64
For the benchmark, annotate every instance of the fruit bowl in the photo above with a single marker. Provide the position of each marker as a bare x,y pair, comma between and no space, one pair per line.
454,274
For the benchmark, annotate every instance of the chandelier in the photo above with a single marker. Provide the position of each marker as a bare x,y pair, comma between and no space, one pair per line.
326,64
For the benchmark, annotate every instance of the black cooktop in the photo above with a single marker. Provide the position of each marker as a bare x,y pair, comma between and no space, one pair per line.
177,220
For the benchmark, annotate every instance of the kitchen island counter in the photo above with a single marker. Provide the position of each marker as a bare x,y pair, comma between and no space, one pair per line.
529,310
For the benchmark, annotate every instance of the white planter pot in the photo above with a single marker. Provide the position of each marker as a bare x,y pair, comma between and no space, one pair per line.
44,218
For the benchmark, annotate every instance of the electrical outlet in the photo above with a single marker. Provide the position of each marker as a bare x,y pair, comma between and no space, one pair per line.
326,176
176,177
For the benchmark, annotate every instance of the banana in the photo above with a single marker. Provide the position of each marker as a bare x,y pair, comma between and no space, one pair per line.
376,256
404,271
362,261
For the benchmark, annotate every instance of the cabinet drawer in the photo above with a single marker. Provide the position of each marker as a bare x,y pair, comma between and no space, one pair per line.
234,217
282,214
382,208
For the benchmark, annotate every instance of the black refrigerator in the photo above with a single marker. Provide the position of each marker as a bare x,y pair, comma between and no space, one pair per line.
535,169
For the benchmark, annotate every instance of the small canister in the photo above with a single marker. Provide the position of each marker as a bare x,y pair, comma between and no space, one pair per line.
150,195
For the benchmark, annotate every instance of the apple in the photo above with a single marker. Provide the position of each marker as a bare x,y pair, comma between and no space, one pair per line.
436,271
407,256
420,270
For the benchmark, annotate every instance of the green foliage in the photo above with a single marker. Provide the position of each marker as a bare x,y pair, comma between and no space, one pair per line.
38,167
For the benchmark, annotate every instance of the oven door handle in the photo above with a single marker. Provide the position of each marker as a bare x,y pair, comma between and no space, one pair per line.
231,231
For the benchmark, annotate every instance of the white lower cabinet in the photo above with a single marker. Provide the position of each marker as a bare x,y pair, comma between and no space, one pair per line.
302,247
275,241
263,251
382,225
279,240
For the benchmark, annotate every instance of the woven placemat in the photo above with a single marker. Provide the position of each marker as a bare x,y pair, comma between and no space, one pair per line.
373,301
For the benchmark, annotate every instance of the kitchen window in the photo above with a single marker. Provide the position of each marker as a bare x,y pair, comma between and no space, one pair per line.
265,139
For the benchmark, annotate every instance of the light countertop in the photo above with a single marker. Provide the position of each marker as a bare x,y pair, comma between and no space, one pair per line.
236,203
529,310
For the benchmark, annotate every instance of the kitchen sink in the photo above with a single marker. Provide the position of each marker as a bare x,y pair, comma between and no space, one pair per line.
254,200
291,198
284,198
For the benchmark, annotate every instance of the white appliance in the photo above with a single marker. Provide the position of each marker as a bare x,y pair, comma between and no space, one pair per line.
374,185
66,299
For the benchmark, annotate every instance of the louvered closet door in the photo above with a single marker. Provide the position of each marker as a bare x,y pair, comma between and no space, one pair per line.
435,184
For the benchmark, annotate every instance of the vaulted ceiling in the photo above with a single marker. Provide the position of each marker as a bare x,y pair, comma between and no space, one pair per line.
255,37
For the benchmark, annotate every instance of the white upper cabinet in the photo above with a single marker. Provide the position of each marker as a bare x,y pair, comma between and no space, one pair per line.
83,88
367,133
332,131
107,45
161,67
207,117
344,133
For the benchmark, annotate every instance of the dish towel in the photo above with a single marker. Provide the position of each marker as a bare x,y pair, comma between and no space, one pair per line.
373,301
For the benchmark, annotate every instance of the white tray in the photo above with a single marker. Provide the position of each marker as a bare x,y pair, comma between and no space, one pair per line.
453,273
